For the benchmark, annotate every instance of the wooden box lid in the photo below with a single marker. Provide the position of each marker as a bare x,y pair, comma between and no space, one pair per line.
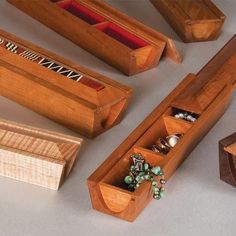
58,88
109,34
35,155
193,20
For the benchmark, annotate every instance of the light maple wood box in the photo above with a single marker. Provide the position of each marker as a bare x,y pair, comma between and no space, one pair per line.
227,159
36,156
193,20
109,34
206,94
59,89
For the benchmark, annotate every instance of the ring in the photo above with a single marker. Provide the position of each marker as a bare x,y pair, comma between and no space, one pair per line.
163,145
173,139
156,149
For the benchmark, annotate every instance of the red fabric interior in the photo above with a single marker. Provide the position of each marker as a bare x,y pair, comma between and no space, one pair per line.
80,11
122,35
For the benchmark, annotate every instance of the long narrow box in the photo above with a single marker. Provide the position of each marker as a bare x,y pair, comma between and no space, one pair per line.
35,155
227,158
193,20
205,96
63,91
109,34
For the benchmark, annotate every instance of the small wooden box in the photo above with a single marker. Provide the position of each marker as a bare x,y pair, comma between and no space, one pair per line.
36,156
63,91
116,38
193,20
206,95
227,154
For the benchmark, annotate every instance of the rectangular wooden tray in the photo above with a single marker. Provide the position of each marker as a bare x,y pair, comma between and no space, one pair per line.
109,34
206,94
59,89
227,158
35,155
193,20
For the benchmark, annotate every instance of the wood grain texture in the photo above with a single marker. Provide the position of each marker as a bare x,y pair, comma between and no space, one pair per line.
36,156
106,185
227,159
193,20
109,34
89,107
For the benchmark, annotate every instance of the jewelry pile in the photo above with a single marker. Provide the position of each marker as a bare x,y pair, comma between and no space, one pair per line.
141,171
188,116
164,145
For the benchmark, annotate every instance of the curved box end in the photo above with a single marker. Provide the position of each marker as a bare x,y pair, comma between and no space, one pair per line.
115,199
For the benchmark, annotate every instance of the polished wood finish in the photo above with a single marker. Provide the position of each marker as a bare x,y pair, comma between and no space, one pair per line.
109,34
227,155
193,20
106,185
35,155
90,104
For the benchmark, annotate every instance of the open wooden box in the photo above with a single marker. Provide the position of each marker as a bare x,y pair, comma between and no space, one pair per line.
227,155
35,155
193,20
206,94
107,33
70,94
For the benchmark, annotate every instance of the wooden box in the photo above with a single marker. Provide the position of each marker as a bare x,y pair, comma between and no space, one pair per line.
227,154
63,91
107,33
206,95
193,20
36,156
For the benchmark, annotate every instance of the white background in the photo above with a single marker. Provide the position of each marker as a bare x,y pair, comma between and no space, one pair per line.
196,203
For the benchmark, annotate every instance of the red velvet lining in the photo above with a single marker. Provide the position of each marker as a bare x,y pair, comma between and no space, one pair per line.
80,11
122,35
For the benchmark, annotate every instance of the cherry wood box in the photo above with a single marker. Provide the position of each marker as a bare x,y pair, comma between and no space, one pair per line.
206,94
227,154
109,34
193,20
63,91
35,155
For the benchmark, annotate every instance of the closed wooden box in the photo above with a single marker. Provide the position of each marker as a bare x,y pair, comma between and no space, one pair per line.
193,20
109,34
227,157
35,155
206,95
59,89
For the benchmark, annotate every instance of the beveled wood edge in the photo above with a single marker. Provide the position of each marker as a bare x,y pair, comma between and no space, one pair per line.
225,142
36,156
43,132
215,9
211,6
218,59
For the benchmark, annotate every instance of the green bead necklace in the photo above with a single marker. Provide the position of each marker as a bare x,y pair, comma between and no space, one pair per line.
141,171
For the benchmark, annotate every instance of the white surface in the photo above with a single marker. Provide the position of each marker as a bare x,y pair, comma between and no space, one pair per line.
196,203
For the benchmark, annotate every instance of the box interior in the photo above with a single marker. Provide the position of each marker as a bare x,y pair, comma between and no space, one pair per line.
111,29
